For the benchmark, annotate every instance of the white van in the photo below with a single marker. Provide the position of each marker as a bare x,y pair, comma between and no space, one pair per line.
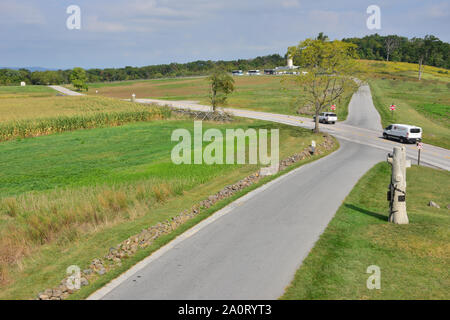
403,132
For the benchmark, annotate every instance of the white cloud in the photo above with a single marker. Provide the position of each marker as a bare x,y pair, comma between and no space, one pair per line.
439,11
95,25
22,13
290,3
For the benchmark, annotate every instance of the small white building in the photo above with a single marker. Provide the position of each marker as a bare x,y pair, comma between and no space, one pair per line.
23,84
289,69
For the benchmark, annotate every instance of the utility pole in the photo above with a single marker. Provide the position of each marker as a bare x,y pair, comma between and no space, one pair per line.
397,188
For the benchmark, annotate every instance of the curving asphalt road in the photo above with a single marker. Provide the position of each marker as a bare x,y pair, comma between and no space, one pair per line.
255,248
362,112
252,248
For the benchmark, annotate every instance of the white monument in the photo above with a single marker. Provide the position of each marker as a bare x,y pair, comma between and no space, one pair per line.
397,187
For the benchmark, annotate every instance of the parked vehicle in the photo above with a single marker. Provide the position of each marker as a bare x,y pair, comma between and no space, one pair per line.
327,117
253,72
403,132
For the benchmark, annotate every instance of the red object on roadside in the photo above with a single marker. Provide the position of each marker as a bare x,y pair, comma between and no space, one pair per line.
419,145
333,107
392,107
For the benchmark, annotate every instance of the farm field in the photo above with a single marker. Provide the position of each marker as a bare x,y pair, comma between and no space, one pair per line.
37,110
262,93
38,102
425,104
66,198
413,258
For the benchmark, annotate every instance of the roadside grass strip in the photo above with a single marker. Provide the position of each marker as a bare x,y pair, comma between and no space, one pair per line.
413,259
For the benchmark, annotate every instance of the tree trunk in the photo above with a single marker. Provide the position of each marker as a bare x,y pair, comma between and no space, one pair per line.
420,68
316,127
213,100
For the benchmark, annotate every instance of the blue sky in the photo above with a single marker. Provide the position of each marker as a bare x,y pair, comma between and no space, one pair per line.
116,33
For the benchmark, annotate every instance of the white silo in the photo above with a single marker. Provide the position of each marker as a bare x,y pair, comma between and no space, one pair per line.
290,63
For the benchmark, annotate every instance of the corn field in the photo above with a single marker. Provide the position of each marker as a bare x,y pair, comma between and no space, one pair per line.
35,128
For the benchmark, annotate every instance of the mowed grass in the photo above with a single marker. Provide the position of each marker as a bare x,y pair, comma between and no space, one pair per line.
66,198
25,92
425,104
261,93
413,258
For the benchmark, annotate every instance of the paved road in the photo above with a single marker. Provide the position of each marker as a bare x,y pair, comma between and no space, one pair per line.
66,91
362,112
252,248
253,251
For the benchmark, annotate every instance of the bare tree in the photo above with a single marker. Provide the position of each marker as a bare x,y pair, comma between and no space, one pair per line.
390,43
425,48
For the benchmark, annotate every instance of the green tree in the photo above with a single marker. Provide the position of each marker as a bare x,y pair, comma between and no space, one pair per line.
322,37
221,84
78,79
330,67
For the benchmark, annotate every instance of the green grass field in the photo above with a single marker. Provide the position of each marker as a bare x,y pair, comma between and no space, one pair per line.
425,104
261,93
413,258
25,92
67,198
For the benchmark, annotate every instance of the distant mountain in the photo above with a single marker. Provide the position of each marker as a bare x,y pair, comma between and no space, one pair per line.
29,68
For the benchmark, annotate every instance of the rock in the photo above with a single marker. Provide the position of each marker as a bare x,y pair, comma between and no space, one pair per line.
57,293
43,296
448,206
87,272
433,204
101,271
84,281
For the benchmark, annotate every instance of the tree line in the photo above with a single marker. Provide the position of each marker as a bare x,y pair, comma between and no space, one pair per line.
429,50
14,77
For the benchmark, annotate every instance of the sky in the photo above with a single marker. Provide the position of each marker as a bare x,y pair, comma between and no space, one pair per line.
118,33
